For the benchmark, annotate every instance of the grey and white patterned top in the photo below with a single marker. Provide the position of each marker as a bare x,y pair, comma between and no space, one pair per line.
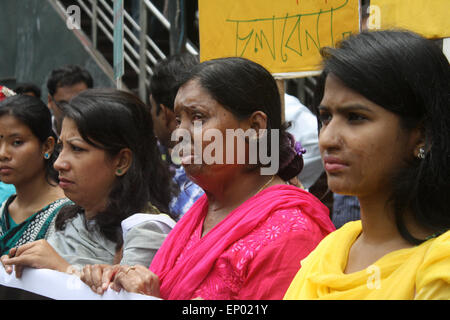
81,242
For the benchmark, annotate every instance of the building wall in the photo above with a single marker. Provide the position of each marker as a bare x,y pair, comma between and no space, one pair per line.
34,40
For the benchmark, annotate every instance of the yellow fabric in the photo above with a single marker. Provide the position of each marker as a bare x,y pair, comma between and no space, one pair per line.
421,272
284,35
428,18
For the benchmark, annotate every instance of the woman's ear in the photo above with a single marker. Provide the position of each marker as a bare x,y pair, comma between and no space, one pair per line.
48,147
419,142
258,120
122,161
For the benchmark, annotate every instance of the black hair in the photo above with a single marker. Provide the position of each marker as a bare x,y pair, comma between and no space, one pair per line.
244,87
165,80
68,75
33,113
409,76
111,120
28,87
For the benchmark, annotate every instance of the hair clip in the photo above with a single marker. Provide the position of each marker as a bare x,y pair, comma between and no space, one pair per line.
299,149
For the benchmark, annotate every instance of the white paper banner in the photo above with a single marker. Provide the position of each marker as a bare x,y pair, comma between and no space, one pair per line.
61,286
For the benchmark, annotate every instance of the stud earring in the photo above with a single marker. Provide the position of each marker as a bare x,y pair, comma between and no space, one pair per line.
421,154
119,171
46,156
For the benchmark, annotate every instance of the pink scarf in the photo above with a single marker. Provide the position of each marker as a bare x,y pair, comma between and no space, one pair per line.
180,280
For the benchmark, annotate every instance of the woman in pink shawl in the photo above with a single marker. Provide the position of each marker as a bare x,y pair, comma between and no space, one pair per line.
245,237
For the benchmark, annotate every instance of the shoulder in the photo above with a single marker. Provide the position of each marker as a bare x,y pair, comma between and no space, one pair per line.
59,204
338,240
289,197
433,271
3,205
145,222
285,230
347,233
438,251
3,209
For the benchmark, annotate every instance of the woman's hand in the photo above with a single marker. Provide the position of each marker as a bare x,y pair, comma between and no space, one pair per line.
38,254
138,279
99,276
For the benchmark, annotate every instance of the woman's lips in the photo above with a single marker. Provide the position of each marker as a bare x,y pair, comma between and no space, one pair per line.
65,183
5,170
334,164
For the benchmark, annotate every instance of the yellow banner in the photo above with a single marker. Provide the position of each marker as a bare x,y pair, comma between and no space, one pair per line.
283,35
430,18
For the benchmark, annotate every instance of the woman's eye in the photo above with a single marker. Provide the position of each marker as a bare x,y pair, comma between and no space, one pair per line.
76,149
17,143
356,117
324,118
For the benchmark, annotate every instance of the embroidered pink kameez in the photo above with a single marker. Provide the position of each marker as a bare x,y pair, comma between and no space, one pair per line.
254,253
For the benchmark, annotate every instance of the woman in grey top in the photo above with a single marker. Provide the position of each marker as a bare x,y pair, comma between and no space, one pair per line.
110,167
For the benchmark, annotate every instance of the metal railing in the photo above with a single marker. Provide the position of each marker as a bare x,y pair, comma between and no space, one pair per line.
141,52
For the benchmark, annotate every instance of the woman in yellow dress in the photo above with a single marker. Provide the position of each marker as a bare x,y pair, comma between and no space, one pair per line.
385,138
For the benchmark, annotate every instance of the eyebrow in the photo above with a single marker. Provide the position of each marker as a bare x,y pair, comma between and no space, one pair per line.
348,108
193,107
12,135
70,140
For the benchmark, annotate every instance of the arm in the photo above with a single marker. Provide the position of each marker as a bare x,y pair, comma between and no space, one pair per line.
99,276
38,254
138,279
142,241
143,236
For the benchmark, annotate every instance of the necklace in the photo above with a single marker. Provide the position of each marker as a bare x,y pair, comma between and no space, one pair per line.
435,235
266,184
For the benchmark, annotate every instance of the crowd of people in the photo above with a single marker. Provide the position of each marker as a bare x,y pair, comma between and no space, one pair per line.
91,184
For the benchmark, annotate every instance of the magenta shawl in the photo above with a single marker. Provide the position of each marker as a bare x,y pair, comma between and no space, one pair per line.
179,280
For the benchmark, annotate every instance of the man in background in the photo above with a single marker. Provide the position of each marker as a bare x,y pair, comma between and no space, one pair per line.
63,84
164,86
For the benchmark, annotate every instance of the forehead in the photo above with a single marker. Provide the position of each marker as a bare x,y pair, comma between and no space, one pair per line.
192,94
11,125
69,129
68,92
336,93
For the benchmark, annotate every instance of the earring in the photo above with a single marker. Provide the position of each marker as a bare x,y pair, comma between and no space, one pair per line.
46,156
119,171
421,154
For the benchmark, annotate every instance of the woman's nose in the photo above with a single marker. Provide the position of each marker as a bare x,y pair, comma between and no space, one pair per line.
4,154
330,136
61,164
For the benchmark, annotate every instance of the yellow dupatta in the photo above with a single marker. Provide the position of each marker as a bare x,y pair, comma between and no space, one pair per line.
420,272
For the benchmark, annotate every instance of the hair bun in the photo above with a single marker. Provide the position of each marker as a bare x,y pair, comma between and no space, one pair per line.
291,156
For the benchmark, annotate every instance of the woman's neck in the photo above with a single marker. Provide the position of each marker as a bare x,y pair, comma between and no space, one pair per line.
379,222
32,196
234,190
229,193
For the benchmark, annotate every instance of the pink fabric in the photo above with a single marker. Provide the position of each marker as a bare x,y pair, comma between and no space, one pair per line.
253,253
